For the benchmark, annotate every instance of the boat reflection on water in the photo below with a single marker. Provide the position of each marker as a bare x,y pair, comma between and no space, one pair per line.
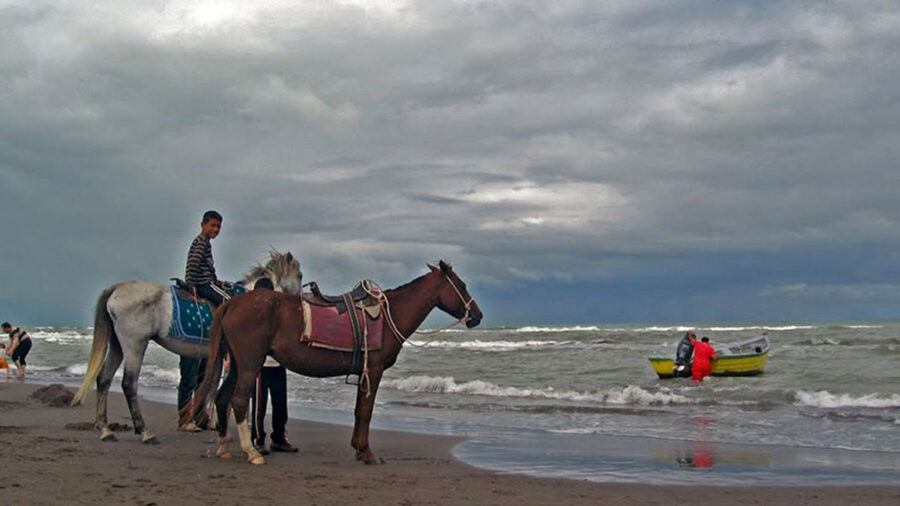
699,453
701,456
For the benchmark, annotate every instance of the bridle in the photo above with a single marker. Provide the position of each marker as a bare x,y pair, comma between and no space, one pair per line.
382,298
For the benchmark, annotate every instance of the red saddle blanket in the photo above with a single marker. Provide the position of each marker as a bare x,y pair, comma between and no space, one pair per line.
328,329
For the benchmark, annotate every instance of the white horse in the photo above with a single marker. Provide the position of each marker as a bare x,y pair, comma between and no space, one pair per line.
131,314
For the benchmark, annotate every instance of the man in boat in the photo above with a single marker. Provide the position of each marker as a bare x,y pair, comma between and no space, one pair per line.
703,353
683,354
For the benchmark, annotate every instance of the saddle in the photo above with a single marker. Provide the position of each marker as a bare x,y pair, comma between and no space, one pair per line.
186,291
358,296
351,322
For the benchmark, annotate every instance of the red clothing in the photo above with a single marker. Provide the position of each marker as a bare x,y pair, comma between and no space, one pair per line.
700,367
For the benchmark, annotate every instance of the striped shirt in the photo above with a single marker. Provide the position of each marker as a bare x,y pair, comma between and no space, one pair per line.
200,269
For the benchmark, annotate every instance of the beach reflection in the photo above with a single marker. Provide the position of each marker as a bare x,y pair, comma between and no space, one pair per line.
701,456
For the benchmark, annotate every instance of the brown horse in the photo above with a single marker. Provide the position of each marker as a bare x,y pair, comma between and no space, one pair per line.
250,326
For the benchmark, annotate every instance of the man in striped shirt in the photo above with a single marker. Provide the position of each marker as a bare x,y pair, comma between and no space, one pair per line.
201,271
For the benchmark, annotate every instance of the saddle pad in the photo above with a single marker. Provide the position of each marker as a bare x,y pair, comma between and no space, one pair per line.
326,328
190,320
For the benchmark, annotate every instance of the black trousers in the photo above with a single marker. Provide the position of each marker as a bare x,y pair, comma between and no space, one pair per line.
21,351
192,371
208,293
270,380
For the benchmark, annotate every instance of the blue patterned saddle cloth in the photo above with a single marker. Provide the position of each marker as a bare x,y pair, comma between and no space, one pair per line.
190,319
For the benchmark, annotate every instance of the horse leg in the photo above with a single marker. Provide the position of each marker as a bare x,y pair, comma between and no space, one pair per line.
240,401
134,357
104,380
223,397
363,415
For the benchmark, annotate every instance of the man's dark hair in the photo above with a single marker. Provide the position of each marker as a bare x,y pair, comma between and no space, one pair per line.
265,283
5,325
705,339
211,215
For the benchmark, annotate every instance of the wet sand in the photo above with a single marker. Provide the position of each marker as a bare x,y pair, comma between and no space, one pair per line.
46,463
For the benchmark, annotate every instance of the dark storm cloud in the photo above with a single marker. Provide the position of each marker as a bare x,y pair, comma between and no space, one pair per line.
528,142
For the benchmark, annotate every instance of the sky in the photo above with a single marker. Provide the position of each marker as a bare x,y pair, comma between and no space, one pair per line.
577,162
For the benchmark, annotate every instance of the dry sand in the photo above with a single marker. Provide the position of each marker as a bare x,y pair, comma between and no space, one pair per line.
46,463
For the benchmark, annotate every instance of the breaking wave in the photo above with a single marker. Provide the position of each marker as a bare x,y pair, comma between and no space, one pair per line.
825,399
496,345
62,337
576,328
629,395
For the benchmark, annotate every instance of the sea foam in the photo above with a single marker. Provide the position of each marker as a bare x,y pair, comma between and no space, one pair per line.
825,399
629,395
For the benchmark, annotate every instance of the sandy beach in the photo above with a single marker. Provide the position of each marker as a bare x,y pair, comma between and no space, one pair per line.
47,463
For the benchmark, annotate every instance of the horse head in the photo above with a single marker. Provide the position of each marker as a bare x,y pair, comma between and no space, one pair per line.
454,298
283,269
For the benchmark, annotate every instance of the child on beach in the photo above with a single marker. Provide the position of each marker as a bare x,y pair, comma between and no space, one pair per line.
18,348
200,273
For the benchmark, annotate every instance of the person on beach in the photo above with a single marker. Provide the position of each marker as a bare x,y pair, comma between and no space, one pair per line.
703,353
18,347
683,354
4,364
200,274
272,380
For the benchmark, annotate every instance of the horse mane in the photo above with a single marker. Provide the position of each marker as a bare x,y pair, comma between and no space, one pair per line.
281,264
416,280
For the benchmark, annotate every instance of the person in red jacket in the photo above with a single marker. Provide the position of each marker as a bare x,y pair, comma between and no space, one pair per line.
703,353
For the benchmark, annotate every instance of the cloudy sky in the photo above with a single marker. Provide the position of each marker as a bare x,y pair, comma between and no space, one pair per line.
578,162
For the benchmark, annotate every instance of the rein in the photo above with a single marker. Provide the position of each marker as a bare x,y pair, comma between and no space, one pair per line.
382,299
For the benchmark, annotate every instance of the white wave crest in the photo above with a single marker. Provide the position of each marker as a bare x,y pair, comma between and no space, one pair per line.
629,395
825,399
495,345
722,329
576,328
77,369
158,376
63,337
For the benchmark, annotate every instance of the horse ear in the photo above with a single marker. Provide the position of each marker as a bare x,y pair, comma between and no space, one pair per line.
433,268
290,257
444,267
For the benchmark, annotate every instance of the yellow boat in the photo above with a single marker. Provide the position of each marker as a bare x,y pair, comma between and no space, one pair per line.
747,358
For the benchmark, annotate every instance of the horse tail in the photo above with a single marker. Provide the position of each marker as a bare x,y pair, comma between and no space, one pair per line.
206,392
103,332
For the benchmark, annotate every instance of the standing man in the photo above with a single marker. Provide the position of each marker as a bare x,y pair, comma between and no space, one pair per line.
272,380
703,353
200,273
683,354
18,348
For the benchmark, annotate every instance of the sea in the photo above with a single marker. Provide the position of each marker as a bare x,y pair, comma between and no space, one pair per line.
582,401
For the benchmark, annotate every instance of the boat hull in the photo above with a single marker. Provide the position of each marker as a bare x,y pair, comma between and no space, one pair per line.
743,365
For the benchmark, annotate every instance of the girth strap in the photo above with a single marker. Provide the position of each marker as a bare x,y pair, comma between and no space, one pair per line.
360,356
357,331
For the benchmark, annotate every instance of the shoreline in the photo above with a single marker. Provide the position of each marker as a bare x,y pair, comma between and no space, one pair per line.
55,465
601,458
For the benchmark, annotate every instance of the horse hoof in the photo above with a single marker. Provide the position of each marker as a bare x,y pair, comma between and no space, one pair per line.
149,438
108,435
371,460
223,454
257,460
